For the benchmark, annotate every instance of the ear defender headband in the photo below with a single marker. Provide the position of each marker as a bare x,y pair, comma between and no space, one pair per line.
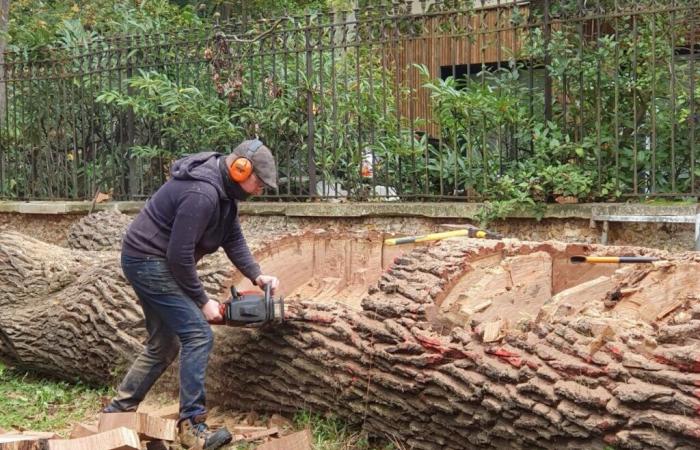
242,166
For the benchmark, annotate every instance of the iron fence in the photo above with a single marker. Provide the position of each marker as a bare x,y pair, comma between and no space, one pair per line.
495,100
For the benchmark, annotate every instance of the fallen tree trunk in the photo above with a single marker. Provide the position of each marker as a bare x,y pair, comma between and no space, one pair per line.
588,372
71,313
552,386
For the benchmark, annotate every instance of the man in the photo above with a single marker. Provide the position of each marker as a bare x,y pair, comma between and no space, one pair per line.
191,215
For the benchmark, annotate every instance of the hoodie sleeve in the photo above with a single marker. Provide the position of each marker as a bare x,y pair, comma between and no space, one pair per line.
189,225
238,252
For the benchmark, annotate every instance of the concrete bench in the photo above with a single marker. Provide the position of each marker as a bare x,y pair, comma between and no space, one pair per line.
603,216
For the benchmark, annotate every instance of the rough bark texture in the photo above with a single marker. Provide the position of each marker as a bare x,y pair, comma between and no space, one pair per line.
72,313
611,360
102,230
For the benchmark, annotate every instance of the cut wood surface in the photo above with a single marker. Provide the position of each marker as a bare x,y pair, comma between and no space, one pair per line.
301,440
621,369
146,425
28,440
171,411
82,430
116,439
23,444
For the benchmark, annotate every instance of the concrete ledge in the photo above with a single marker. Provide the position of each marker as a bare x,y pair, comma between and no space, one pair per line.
66,207
447,210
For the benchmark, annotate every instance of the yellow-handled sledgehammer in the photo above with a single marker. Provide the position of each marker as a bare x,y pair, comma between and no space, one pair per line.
468,232
613,259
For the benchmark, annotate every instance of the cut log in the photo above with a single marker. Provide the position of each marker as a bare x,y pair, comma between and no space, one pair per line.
117,439
71,313
301,440
148,427
390,368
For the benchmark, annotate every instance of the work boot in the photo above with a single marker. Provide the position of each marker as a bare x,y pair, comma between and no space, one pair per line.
195,435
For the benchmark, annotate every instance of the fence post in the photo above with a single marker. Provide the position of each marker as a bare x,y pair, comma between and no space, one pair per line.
310,138
128,134
547,62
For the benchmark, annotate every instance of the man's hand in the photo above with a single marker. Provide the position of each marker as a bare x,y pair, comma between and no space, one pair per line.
262,280
212,312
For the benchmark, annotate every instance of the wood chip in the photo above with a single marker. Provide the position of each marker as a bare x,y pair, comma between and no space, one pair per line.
492,330
280,422
256,435
297,441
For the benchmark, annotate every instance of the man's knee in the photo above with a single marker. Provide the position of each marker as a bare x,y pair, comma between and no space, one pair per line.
201,337
164,349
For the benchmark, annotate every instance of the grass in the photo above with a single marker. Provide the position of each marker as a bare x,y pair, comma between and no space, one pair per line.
330,433
30,402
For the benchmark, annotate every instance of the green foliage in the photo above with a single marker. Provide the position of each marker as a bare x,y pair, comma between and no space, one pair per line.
621,113
30,402
39,25
188,117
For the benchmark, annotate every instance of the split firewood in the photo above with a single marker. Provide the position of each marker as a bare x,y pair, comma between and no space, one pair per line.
171,411
25,440
117,439
148,427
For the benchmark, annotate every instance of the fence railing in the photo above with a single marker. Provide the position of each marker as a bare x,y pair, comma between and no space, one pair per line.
498,100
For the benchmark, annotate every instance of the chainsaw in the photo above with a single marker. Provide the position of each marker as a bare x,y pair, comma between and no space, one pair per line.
251,309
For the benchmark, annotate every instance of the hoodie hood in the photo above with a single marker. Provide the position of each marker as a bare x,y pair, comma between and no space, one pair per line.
200,166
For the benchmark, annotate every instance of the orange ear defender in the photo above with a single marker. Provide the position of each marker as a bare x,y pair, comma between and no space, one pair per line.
242,166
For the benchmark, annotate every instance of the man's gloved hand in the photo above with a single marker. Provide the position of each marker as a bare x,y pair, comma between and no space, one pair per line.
212,311
262,280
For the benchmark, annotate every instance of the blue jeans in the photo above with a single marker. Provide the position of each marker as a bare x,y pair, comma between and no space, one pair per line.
174,323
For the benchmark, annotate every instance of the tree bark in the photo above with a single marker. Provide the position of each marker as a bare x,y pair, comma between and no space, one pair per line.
586,379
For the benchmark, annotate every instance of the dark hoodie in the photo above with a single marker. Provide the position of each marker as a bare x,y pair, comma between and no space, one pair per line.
190,216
